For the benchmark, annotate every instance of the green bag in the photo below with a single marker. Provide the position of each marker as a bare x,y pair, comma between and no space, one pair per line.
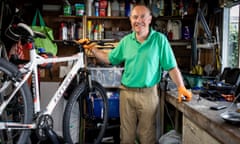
47,43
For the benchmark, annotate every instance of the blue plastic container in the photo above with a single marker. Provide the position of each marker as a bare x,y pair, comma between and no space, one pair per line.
113,107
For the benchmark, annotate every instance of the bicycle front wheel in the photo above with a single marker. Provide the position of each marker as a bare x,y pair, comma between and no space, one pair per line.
86,115
19,110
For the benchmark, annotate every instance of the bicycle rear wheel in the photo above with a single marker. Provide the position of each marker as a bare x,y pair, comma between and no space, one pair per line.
19,110
82,123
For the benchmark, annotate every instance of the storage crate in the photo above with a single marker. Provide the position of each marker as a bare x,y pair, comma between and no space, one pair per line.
107,77
113,107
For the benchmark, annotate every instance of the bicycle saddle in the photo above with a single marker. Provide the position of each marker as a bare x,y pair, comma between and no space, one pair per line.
21,30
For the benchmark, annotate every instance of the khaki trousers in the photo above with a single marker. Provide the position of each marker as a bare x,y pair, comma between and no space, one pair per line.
138,107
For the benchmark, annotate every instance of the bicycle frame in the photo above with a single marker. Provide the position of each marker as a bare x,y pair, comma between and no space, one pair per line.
31,69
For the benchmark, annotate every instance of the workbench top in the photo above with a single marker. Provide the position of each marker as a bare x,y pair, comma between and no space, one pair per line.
198,111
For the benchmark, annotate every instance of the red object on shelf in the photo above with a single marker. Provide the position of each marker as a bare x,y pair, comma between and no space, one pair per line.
103,4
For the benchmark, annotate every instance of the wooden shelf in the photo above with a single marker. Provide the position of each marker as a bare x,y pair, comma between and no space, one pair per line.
187,17
107,17
70,17
94,17
180,42
205,46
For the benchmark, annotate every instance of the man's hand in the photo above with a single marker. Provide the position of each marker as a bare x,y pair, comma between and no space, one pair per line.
182,91
89,46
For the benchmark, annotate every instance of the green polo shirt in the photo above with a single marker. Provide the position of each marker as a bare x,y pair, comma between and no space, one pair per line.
143,62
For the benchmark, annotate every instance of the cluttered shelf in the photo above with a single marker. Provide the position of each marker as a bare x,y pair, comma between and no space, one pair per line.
94,17
186,17
108,17
70,17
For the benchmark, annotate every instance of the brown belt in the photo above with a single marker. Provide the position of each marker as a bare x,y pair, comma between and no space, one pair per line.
135,89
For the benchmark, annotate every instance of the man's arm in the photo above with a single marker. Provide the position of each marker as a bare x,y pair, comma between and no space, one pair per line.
91,46
100,55
183,93
176,76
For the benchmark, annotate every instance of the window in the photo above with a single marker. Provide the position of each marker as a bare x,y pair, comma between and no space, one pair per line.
231,50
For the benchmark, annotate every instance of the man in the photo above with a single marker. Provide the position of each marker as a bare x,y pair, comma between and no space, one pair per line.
144,53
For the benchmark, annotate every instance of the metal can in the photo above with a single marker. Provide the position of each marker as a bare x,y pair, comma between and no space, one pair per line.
67,10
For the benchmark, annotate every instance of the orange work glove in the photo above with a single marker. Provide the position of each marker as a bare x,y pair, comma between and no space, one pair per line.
83,41
87,44
182,91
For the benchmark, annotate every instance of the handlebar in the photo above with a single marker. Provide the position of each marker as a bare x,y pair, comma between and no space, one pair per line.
74,42
67,42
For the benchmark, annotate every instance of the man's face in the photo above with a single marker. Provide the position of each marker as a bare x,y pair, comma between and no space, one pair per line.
140,19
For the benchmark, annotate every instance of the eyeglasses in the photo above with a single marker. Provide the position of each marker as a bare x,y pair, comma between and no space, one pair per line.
142,17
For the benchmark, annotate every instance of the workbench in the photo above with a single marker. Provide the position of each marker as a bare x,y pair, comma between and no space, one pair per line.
200,124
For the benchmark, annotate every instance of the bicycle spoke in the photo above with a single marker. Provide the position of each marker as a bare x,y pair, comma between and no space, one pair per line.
81,124
18,109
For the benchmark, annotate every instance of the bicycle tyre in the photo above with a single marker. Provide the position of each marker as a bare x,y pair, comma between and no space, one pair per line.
73,120
20,108
3,51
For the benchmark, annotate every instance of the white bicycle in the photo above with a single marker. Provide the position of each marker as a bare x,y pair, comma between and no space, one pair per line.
20,111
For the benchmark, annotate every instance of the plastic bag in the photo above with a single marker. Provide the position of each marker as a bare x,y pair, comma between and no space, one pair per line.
47,43
171,137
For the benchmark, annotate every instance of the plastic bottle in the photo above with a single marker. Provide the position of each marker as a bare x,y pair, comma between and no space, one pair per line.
97,8
89,27
72,31
89,7
101,31
79,31
79,9
186,33
122,8
63,31
161,7
176,29
170,35
181,10
109,9
67,9
115,8
174,9
95,32
127,8
169,25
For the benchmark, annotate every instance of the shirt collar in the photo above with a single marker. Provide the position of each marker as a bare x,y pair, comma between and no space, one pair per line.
152,31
